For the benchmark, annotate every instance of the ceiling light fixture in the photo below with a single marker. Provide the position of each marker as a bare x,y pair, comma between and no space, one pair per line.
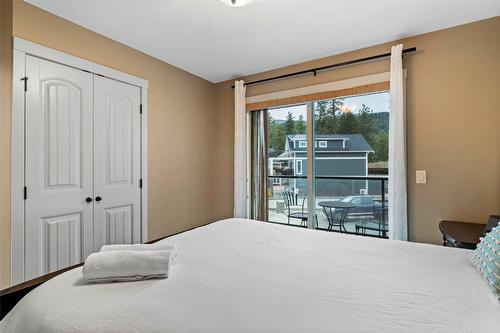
236,3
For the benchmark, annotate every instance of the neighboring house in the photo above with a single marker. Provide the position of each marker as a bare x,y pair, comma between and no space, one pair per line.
336,155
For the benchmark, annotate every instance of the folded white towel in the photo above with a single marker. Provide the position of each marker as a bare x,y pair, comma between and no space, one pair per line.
112,266
137,247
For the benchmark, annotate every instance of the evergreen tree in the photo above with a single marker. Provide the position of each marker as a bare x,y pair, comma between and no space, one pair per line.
326,115
324,118
289,124
300,126
271,130
337,104
381,147
365,122
347,124
280,139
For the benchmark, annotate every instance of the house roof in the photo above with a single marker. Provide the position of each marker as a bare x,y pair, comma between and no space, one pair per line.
354,142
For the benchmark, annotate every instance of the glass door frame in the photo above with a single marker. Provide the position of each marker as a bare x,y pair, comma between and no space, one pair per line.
311,153
311,167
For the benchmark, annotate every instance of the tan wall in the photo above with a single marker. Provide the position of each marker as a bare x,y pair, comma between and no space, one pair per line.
180,132
453,115
5,105
453,107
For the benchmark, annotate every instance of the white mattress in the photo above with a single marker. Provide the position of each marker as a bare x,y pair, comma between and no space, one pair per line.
246,276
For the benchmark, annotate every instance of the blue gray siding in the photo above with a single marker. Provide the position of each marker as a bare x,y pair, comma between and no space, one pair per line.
336,167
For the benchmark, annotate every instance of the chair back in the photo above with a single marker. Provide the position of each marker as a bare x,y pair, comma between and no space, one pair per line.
383,214
291,198
493,221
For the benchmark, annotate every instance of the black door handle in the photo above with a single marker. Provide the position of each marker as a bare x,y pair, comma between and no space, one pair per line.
98,198
88,199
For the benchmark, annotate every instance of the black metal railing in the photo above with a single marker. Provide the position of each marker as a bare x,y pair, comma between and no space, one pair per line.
371,191
383,180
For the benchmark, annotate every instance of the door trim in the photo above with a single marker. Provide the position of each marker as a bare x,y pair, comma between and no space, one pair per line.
21,49
62,58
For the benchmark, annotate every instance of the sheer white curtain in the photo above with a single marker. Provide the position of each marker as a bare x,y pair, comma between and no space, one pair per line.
240,151
258,158
398,215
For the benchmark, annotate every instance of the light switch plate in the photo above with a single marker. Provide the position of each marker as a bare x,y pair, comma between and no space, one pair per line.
421,177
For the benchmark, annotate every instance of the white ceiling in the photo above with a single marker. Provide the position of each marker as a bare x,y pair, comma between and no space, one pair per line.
217,42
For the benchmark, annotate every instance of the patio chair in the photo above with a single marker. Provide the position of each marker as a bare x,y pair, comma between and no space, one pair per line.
294,206
379,223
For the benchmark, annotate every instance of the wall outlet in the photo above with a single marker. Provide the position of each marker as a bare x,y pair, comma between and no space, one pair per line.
421,177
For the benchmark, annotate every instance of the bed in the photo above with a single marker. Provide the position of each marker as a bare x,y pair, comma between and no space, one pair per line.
246,276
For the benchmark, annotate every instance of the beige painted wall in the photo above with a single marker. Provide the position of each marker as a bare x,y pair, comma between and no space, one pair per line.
5,105
180,130
453,115
453,110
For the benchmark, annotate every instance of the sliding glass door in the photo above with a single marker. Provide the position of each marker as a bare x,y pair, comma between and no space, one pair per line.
351,154
348,138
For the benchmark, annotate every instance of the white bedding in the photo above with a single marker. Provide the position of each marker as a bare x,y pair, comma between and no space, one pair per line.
246,276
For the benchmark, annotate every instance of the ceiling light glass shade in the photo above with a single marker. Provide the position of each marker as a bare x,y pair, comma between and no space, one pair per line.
236,3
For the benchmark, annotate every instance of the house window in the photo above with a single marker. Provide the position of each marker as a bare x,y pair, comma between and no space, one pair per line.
302,144
299,167
323,144
276,181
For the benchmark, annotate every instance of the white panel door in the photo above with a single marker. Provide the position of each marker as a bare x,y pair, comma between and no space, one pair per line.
59,167
117,193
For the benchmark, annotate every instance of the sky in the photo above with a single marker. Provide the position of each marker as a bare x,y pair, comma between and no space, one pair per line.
377,102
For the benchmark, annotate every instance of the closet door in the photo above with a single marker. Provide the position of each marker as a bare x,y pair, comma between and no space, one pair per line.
117,163
58,166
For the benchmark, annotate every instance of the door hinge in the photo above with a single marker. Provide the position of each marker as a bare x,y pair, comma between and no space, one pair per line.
140,108
25,79
140,183
25,193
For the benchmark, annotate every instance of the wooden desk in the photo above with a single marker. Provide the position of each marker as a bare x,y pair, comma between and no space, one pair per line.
461,234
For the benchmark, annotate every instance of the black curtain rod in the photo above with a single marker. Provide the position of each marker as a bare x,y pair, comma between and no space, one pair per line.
323,68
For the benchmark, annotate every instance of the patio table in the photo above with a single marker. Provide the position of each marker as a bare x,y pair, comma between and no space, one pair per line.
330,208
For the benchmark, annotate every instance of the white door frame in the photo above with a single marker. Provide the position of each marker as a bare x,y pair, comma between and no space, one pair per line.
21,49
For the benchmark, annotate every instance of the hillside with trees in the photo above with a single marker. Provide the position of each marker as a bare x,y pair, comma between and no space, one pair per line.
332,117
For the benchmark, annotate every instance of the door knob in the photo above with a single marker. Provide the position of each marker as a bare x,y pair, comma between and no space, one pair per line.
98,198
88,199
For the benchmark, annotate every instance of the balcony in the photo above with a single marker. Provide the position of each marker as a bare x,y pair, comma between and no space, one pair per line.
347,204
